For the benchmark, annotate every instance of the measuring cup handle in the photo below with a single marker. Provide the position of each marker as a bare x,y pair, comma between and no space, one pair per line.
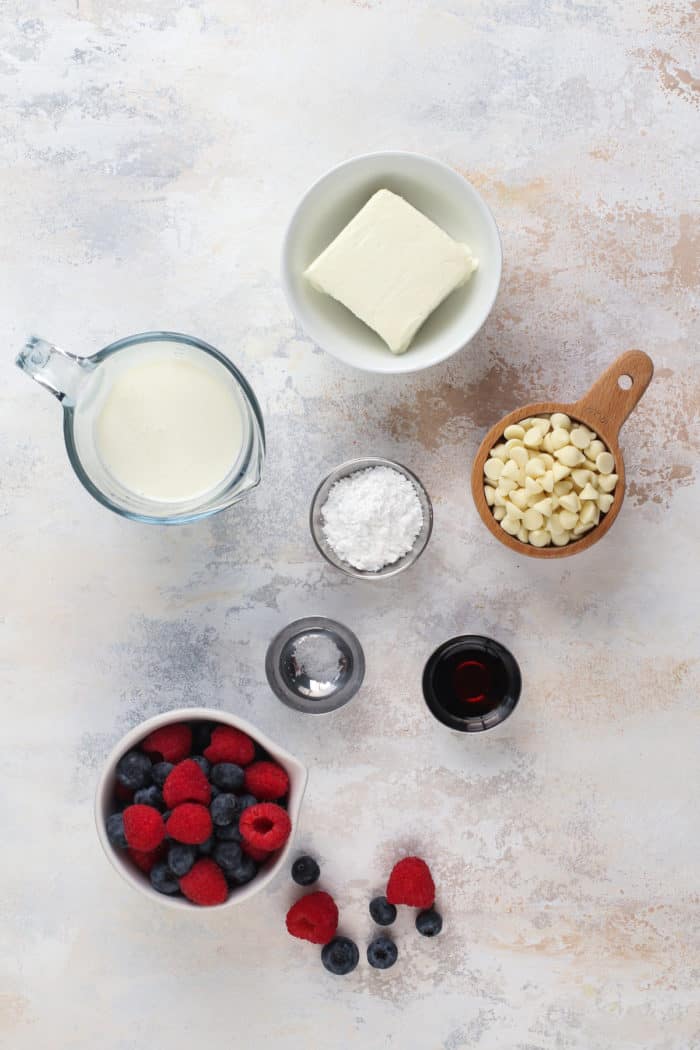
607,401
55,369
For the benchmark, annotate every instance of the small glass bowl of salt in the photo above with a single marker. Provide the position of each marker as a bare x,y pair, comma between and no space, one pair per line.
371,518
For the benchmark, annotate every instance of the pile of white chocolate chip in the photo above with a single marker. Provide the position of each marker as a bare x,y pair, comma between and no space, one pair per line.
549,480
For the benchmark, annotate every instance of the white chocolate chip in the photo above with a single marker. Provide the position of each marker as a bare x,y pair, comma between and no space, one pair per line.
588,512
523,534
581,437
534,468
510,525
533,438
514,431
547,443
511,444
560,419
554,525
540,538
506,485
560,437
547,460
588,492
570,502
560,471
581,528
489,492
512,511
499,513
544,424
519,455
607,482
499,500
532,487
544,506
568,519
605,501
562,487
493,468
569,456
519,498
532,519
547,481
561,539
511,470
581,477
605,463
595,448
499,451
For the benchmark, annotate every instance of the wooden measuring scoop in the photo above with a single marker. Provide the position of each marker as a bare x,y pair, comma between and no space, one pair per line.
603,409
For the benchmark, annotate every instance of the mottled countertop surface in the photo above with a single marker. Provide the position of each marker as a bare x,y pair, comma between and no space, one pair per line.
151,156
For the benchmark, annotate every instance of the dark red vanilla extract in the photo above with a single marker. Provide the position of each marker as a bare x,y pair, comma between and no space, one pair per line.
471,683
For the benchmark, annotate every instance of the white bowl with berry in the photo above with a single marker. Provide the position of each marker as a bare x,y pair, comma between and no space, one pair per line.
197,807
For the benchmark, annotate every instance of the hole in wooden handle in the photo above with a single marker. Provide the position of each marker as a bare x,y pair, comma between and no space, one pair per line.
625,382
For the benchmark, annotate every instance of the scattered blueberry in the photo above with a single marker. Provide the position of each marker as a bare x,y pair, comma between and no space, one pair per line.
224,809
228,856
201,736
244,871
429,922
227,776
382,912
115,831
150,796
205,848
163,880
214,790
244,801
203,763
160,771
305,871
382,953
134,770
228,833
181,858
340,956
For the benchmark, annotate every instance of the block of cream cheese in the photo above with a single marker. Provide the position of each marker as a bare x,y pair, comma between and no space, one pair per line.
391,266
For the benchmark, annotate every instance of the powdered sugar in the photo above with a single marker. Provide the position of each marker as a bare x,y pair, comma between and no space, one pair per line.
372,517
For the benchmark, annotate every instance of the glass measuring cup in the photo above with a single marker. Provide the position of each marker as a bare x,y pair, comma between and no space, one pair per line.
83,385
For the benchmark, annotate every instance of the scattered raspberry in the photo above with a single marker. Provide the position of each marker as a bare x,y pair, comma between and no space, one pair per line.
230,745
145,861
258,855
186,783
267,781
171,743
313,918
205,883
265,826
190,823
143,827
411,883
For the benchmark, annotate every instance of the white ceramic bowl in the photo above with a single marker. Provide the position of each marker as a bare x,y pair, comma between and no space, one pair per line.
104,804
441,194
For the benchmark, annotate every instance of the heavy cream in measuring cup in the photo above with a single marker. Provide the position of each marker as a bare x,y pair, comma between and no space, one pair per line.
169,428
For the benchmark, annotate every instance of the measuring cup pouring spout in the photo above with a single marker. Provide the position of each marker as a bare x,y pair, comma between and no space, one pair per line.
160,427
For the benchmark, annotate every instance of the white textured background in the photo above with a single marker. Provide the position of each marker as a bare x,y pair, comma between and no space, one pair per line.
151,154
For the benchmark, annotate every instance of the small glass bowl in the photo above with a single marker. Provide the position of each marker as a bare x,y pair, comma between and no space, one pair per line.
352,466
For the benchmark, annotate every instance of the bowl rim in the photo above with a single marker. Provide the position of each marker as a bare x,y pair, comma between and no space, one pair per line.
393,364
352,466
297,784
493,435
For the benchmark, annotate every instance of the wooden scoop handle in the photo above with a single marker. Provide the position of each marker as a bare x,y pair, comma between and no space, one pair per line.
607,404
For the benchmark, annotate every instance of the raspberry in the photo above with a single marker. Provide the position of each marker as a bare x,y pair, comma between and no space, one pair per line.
267,781
205,883
145,861
313,918
230,745
186,783
265,826
258,855
171,743
189,823
411,883
143,827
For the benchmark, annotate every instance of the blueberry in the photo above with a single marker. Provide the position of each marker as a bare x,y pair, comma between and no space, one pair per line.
429,922
382,953
150,796
228,833
163,880
340,955
244,871
214,790
160,771
201,735
205,848
134,770
382,912
305,871
203,763
227,776
115,831
228,856
166,815
244,801
181,858
224,809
